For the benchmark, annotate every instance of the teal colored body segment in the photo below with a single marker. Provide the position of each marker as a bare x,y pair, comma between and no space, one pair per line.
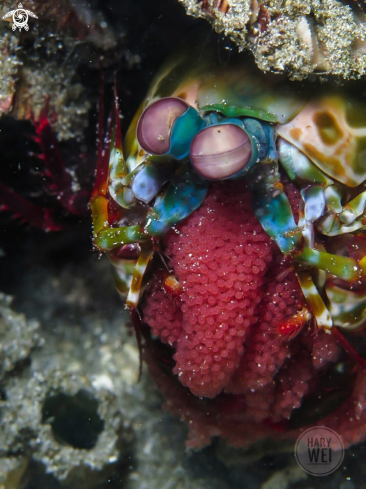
184,194
183,131
275,215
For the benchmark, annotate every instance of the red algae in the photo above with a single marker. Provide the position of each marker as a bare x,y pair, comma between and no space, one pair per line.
237,290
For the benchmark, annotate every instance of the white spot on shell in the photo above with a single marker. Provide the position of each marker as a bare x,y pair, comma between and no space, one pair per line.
304,32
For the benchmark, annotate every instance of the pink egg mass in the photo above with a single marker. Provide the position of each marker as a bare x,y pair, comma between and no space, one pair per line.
227,328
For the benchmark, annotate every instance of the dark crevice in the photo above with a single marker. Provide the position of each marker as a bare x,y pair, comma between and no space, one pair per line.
74,419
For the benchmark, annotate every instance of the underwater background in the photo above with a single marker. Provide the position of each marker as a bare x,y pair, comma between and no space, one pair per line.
73,411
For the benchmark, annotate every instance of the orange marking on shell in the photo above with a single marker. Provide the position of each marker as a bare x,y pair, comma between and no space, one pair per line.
182,95
223,6
328,140
334,164
292,326
296,133
329,130
279,186
172,286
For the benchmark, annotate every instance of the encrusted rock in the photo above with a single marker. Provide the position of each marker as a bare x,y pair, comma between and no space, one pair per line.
299,37
18,337
43,63
27,430
9,65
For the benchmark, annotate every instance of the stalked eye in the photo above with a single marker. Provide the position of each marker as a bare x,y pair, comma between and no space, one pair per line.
220,151
155,124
